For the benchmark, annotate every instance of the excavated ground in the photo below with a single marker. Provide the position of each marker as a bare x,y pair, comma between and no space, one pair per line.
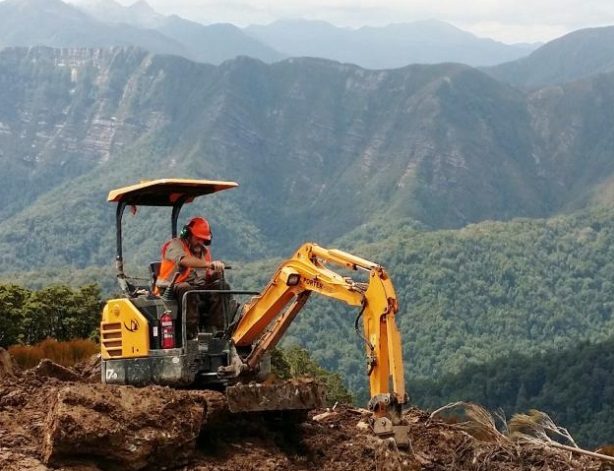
60,419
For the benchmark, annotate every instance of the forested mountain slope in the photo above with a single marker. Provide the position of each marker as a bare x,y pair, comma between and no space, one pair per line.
478,296
512,315
319,148
574,386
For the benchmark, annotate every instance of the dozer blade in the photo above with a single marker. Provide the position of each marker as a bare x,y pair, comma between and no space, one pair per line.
292,394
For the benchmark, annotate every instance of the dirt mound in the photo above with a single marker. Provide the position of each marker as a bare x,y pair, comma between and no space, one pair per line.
8,367
89,370
52,418
48,369
135,428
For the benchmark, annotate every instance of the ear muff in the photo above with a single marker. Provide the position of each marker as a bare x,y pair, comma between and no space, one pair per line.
185,232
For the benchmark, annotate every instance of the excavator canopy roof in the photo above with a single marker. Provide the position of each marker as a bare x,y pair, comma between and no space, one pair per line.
167,192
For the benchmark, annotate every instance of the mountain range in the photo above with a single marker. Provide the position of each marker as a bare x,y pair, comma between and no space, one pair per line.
319,148
104,23
57,24
575,56
392,46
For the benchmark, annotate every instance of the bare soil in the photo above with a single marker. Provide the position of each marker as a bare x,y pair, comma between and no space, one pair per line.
52,418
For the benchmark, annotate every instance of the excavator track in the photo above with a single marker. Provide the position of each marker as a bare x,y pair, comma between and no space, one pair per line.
297,394
288,400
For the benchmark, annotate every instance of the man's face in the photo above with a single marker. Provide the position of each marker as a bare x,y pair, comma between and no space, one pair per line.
197,244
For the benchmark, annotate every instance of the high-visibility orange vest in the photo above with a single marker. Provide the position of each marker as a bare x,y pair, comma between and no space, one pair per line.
168,267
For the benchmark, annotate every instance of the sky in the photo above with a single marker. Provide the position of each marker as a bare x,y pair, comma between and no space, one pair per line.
509,21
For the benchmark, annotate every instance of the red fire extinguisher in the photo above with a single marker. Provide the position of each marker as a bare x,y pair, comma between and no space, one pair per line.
167,330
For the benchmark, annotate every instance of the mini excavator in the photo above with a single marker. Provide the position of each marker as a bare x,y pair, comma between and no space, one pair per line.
145,339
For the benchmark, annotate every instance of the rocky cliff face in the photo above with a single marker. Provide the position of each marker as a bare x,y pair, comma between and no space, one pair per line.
60,117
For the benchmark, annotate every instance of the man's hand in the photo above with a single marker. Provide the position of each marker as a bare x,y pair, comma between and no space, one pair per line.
217,266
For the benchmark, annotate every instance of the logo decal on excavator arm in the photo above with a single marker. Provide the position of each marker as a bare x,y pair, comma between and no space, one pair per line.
314,283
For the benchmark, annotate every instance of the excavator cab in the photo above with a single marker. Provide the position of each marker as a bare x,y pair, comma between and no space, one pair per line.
144,335
172,193
149,337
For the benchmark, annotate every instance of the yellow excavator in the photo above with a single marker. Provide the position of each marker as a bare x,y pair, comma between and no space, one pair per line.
145,338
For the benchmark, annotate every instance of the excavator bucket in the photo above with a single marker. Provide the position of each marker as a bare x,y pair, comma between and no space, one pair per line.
292,394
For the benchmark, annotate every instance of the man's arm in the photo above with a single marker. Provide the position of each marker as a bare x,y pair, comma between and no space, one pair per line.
195,262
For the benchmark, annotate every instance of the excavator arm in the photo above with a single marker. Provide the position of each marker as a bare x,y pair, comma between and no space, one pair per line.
266,318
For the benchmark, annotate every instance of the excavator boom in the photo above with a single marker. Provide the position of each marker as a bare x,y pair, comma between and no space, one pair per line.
266,317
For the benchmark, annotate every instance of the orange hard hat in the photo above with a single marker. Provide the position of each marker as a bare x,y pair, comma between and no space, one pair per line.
199,227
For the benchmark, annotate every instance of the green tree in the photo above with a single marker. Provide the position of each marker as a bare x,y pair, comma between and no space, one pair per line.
12,301
294,361
61,313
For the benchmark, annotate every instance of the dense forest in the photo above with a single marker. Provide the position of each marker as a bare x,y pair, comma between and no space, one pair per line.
474,295
575,387
30,316
485,310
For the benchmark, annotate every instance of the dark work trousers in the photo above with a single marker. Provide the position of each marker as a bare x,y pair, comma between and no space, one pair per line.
204,311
